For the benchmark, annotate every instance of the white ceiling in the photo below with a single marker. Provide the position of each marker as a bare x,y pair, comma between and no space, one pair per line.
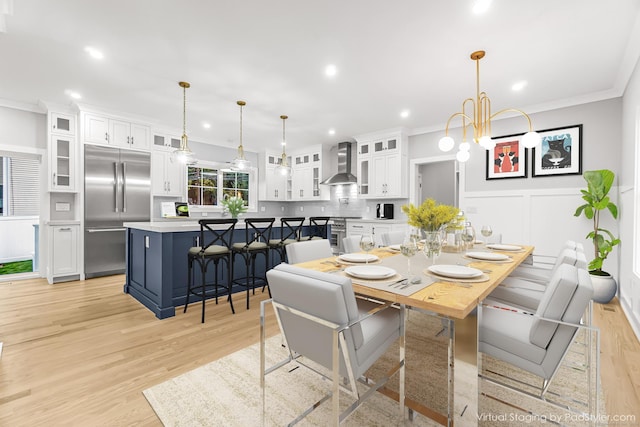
391,55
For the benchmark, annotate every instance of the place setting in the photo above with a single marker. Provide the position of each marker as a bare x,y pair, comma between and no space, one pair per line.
389,279
458,274
504,248
357,258
493,257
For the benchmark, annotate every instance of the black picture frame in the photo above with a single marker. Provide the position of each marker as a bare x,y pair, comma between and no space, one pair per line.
560,152
508,159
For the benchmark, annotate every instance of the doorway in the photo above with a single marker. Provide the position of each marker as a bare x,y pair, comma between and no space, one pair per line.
19,214
437,177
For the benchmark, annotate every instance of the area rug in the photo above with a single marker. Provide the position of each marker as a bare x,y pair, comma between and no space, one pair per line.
227,392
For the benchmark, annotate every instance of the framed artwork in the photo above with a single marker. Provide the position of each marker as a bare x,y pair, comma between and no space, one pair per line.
560,152
508,159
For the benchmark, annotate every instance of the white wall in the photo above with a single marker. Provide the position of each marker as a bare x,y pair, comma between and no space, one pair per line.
628,178
17,238
23,129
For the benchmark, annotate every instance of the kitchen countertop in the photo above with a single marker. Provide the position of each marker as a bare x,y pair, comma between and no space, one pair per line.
378,221
184,225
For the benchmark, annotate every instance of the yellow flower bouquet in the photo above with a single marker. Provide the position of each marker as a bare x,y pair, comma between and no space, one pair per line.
429,216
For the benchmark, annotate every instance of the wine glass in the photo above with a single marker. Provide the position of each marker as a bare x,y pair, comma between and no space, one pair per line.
408,248
468,236
366,244
486,231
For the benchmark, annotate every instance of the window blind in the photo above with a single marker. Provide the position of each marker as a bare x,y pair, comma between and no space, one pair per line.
24,185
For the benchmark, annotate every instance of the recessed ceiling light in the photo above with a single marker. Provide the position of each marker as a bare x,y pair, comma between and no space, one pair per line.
331,70
94,53
332,131
481,6
519,85
405,113
206,125
73,94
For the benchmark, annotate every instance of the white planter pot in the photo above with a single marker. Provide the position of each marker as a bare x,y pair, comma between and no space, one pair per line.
604,288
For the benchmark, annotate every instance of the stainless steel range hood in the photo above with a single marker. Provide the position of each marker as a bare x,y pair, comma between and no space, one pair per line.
344,175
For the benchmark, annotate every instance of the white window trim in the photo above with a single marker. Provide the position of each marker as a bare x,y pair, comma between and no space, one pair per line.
224,167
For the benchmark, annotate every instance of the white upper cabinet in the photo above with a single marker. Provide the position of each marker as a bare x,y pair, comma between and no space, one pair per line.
99,129
129,135
273,186
167,177
96,129
62,152
62,124
308,168
383,165
165,142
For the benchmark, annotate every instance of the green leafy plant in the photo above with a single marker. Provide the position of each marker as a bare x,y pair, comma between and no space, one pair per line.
599,183
429,216
234,205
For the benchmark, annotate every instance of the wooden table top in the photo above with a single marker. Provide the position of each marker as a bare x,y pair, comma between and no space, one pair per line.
443,297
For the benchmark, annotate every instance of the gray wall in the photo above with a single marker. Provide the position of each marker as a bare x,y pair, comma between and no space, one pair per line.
601,145
438,182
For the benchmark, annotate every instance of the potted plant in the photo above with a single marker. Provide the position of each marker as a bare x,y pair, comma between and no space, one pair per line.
234,205
599,183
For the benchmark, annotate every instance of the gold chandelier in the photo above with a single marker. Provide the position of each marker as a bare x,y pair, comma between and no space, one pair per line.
240,163
184,153
480,121
284,168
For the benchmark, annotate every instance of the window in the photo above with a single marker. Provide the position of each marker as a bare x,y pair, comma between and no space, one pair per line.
207,185
202,186
19,186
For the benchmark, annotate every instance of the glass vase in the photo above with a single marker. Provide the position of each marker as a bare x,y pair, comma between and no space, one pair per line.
432,245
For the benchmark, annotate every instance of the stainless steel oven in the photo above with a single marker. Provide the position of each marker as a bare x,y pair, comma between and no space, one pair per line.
338,232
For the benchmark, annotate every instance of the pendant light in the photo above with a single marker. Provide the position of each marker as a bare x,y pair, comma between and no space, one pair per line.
283,168
240,163
184,154
479,120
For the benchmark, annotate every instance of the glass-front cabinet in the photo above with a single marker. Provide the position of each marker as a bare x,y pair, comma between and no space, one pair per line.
62,152
383,165
64,124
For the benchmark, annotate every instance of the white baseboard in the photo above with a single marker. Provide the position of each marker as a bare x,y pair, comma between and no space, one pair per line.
634,321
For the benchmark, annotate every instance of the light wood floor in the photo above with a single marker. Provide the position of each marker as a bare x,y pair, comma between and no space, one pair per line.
80,353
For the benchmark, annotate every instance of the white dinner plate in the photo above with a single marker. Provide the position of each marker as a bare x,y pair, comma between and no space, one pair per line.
501,247
488,256
395,248
370,272
455,271
358,257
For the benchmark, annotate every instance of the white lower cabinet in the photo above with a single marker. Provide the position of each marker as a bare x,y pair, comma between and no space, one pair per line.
63,252
167,176
375,227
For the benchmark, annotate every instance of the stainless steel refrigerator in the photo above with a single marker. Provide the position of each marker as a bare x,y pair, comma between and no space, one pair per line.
117,189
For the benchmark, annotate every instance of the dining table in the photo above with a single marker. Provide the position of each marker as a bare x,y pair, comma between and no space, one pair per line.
457,300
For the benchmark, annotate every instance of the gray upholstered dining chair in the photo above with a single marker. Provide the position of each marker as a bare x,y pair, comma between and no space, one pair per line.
524,288
538,343
392,238
308,250
321,320
351,244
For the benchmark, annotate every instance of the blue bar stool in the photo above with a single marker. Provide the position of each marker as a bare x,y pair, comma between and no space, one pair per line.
215,245
256,242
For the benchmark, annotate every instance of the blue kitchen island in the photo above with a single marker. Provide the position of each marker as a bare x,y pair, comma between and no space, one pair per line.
156,257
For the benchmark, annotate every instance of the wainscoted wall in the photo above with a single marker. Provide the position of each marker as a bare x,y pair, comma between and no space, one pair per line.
543,218
628,282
